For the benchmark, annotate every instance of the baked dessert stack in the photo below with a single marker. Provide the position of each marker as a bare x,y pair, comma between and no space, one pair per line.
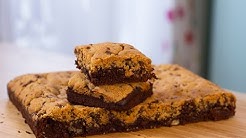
115,76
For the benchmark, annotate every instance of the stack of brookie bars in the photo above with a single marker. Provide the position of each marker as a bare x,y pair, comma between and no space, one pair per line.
114,76
117,90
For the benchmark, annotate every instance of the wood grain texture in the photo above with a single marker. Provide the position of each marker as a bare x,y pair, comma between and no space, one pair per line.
12,125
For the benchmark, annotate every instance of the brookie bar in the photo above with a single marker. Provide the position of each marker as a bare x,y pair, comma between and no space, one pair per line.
119,97
179,97
110,63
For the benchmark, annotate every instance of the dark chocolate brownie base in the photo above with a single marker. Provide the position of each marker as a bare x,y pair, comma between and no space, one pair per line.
50,128
134,98
115,75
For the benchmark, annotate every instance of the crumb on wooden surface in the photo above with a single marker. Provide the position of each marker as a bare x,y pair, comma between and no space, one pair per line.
28,132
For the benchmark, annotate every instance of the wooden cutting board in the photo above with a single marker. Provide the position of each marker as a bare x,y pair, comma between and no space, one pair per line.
12,125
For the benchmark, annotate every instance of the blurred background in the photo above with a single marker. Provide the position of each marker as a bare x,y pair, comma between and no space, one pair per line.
207,37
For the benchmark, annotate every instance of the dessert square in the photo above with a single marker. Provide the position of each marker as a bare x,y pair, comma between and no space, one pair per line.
110,63
179,97
119,97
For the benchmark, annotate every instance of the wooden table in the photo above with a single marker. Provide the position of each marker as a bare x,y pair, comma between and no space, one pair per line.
12,125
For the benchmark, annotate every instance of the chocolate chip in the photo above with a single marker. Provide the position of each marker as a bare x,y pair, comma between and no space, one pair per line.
101,97
108,52
19,131
43,103
155,101
141,63
78,123
29,82
59,105
128,59
175,85
88,47
157,116
128,112
38,76
122,46
128,62
176,68
178,75
174,97
96,117
141,110
1,122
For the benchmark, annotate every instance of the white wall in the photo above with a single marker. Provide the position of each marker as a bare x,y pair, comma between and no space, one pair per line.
61,25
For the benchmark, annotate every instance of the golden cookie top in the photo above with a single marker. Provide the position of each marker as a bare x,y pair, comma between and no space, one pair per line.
112,55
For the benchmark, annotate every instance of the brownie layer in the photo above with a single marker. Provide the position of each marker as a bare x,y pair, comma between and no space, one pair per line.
102,62
132,99
108,76
50,128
